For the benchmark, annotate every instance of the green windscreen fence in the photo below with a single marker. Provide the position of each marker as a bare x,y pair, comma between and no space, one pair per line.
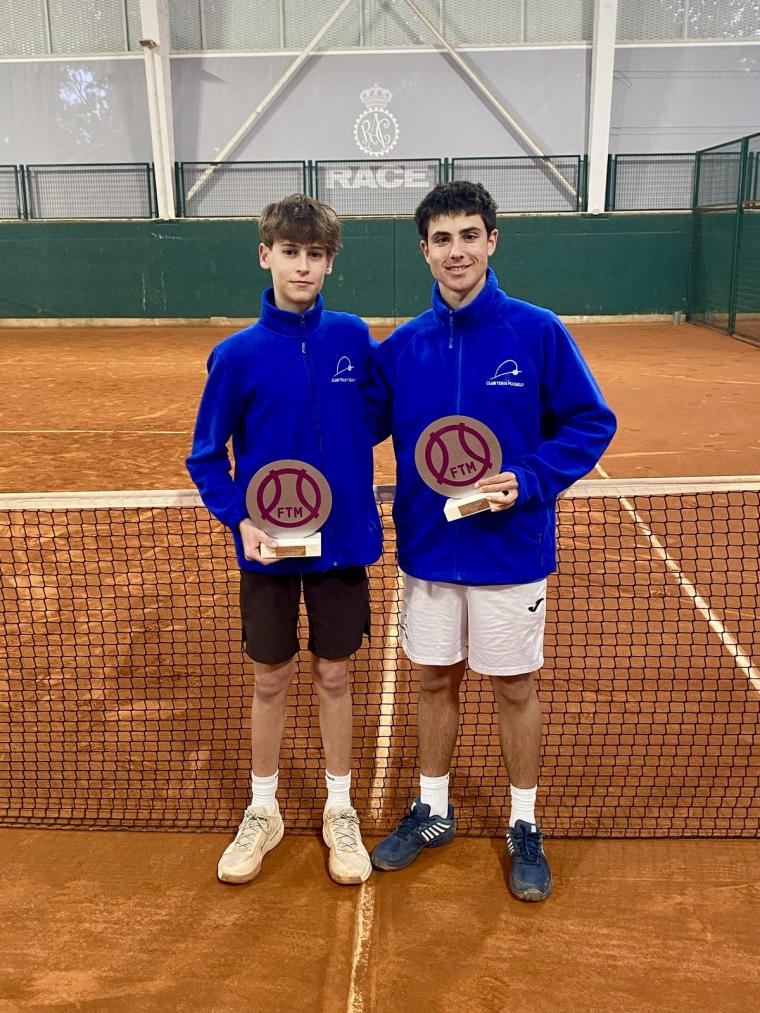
724,281
747,282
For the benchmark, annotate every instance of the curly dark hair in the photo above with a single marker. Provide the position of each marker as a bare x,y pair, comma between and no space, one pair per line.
456,198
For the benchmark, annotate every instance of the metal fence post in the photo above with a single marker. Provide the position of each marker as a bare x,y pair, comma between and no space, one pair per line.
611,182
741,194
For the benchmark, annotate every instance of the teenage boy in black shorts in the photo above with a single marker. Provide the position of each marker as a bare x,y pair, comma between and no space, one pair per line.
270,390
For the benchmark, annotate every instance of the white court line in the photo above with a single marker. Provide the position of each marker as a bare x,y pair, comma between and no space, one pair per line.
104,432
387,700
365,912
727,639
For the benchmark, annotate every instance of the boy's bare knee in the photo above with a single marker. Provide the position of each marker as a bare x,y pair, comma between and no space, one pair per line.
272,681
513,690
331,675
441,678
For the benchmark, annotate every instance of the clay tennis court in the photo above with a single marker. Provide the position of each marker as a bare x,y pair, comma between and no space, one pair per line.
641,917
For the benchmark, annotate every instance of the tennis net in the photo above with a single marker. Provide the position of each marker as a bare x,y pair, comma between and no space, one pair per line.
125,696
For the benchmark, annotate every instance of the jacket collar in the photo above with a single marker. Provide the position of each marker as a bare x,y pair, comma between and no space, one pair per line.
285,322
474,311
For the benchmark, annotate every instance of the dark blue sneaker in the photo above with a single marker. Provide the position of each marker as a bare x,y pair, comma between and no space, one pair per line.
417,830
530,877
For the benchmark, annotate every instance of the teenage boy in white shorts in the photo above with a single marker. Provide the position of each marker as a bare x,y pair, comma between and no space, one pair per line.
475,588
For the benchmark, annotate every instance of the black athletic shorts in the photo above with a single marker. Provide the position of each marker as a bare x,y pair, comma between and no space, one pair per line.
337,604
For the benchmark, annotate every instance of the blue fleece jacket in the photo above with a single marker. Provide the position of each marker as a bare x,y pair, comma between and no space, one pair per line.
291,386
515,367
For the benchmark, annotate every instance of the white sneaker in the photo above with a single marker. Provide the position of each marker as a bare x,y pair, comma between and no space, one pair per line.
258,833
349,861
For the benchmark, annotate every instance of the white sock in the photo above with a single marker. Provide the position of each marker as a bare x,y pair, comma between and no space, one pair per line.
434,791
523,804
264,792
338,790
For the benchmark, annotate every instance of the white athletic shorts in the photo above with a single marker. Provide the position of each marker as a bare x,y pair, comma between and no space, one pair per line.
499,628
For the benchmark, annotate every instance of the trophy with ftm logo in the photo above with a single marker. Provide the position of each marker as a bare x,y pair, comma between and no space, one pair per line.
290,501
452,454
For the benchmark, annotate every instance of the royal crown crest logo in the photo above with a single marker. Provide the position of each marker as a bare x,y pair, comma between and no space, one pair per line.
376,129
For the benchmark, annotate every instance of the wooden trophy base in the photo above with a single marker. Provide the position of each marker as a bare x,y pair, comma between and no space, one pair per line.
464,506
292,546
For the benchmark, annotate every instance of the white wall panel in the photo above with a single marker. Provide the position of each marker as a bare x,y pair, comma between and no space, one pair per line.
74,111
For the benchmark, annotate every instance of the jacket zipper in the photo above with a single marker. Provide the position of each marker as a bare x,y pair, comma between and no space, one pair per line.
314,399
458,412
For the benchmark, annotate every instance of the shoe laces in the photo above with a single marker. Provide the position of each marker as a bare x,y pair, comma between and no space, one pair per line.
253,824
345,828
528,845
409,825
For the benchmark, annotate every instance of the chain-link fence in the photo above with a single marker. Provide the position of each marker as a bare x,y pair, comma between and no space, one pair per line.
236,189
651,182
724,275
527,183
11,192
90,191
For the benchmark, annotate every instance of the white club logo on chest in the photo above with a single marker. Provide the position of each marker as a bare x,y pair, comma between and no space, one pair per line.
344,371
505,375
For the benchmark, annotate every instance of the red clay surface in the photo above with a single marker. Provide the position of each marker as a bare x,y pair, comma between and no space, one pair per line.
89,409
120,921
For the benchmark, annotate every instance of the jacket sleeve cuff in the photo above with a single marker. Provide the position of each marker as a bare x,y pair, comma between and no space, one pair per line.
528,488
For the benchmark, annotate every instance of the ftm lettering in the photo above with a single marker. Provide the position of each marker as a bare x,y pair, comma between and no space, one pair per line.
290,511
462,470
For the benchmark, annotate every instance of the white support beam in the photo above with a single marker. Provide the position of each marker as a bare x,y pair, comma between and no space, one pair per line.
155,42
600,112
489,96
293,69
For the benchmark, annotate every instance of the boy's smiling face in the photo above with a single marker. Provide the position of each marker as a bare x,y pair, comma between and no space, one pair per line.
298,272
457,249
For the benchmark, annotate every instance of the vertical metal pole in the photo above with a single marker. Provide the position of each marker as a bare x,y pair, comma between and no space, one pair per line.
736,252
23,211
611,182
125,25
156,46
48,28
602,72
693,237
202,21
282,24
26,193
150,180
